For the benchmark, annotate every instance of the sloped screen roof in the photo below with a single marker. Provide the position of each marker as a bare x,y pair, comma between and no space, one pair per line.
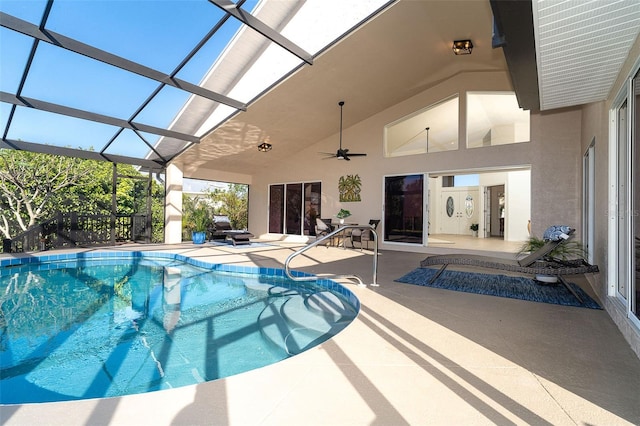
138,81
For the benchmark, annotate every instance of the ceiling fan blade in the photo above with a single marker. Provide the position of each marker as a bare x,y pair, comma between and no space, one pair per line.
357,155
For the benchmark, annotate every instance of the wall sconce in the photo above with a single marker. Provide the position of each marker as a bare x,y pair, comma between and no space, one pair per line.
462,47
264,147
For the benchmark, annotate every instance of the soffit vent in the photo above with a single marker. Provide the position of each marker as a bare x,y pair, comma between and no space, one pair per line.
581,47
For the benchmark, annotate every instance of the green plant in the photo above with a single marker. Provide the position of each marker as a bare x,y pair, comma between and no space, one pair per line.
201,218
196,217
343,214
474,227
567,250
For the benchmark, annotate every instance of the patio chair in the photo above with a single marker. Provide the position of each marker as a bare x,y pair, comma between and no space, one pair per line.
222,230
323,227
363,235
536,263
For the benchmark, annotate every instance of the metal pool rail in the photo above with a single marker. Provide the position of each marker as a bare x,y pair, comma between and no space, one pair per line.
330,235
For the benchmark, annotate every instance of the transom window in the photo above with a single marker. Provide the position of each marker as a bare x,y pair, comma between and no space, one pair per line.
432,129
494,118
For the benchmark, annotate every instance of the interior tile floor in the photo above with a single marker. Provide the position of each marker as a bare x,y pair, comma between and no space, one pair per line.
413,356
468,242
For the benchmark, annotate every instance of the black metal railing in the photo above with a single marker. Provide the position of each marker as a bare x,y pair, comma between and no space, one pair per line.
80,230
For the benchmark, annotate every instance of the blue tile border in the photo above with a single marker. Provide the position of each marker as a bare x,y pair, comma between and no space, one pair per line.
54,261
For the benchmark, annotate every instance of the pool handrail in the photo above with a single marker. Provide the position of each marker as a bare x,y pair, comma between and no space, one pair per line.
330,235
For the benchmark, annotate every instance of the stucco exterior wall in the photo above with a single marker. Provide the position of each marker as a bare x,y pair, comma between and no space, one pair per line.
596,124
594,129
554,155
556,177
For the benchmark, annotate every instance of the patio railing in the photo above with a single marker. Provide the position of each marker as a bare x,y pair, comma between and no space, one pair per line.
80,230
329,236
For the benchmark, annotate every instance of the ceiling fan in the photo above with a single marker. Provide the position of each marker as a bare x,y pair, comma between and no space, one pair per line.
342,154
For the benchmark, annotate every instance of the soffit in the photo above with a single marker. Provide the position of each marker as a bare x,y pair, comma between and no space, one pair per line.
581,47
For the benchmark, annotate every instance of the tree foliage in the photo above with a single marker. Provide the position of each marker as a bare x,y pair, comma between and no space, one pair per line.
30,182
34,187
232,202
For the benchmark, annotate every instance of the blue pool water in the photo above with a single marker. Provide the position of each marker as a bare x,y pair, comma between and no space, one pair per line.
96,326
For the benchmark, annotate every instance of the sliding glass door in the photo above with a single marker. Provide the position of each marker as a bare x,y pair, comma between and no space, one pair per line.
634,184
403,209
626,252
622,198
293,208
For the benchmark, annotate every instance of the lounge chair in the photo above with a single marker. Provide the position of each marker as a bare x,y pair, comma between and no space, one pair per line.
537,263
222,230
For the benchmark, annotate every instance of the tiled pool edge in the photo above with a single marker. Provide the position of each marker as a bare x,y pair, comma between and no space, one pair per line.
258,270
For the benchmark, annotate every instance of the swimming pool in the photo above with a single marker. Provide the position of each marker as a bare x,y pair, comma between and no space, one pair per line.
102,324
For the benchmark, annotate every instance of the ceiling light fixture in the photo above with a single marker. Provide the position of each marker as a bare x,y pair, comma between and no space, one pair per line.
264,147
462,47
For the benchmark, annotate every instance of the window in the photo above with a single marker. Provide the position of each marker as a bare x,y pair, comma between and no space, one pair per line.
495,119
433,129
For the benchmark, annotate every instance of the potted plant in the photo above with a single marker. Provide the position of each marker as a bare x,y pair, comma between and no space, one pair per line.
343,214
474,229
568,250
200,223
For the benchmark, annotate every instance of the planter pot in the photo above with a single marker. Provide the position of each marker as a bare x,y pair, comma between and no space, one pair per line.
198,237
474,233
341,221
547,279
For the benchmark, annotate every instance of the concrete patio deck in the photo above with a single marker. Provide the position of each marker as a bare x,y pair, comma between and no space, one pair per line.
413,356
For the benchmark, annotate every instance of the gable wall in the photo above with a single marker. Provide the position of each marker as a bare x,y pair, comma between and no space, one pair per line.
554,155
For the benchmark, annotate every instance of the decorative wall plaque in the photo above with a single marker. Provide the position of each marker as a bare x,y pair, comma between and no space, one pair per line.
349,187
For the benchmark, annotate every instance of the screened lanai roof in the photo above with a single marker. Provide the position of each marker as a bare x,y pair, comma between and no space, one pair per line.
139,82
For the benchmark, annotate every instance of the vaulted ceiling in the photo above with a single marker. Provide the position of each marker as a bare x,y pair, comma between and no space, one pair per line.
403,51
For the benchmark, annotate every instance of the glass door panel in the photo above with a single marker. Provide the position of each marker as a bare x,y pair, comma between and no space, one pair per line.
293,213
312,206
635,207
403,209
276,209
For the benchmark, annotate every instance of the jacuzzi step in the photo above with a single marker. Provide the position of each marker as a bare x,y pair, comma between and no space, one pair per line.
276,329
329,304
298,315
273,290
